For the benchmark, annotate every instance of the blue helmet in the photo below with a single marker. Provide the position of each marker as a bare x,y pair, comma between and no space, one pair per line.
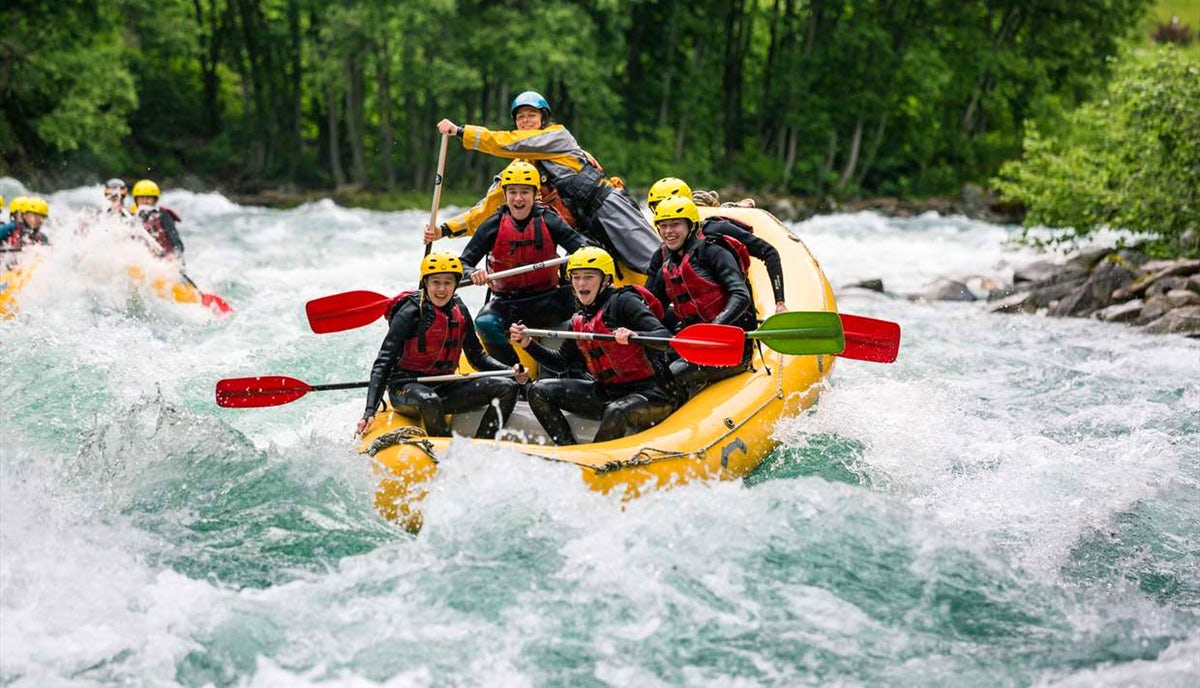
533,98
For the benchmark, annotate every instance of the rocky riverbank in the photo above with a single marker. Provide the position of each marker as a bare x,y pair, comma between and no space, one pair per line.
1113,285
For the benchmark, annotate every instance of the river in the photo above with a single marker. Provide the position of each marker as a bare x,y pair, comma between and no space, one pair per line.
1013,502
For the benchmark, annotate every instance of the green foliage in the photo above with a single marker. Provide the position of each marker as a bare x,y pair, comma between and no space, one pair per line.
834,97
1130,160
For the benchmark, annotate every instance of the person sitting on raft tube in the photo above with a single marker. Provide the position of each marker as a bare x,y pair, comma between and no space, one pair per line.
25,229
723,226
522,232
629,381
590,202
158,221
428,330
703,278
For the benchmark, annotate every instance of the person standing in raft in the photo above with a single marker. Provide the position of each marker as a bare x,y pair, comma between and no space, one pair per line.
158,221
629,387
522,232
704,281
428,330
723,226
600,210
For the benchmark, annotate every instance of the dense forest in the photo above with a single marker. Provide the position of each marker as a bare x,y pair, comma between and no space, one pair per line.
812,97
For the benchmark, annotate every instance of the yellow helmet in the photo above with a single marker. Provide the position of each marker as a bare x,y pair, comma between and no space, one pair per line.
17,205
592,258
675,207
665,188
435,263
520,172
1,202
37,205
145,187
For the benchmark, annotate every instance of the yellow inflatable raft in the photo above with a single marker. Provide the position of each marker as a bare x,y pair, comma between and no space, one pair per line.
724,432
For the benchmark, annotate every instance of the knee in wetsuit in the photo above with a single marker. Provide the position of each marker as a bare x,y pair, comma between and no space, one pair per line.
493,333
500,393
541,401
427,404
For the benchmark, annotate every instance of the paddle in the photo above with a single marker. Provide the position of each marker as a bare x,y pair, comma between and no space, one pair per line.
277,390
801,333
212,302
869,339
437,188
820,332
702,344
353,309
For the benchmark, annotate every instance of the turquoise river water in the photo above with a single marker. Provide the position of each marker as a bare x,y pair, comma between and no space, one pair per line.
1013,502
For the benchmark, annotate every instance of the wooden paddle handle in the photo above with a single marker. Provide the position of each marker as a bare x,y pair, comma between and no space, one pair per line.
437,187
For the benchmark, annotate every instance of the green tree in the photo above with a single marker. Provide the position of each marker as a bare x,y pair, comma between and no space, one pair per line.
1130,160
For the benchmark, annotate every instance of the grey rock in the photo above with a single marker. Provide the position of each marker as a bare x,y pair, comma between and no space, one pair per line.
973,199
1179,320
784,209
1017,303
1178,298
1152,310
945,289
1097,291
1193,284
1121,312
1044,297
1087,259
1036,272
875,284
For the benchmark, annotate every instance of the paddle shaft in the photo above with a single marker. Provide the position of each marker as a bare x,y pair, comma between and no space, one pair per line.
451,377
512,272
437,187
638,338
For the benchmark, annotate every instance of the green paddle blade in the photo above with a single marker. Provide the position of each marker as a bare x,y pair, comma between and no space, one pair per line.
802,333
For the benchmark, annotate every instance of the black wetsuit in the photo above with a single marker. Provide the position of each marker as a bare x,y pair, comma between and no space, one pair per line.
756,247
639,404
431,401
715,262
542,309
167,242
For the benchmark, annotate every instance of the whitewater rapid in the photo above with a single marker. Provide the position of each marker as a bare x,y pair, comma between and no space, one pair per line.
1013,502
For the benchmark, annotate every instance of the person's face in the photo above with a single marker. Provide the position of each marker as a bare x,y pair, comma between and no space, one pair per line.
519,199
439,287
587,284
115,199
146,201
673,232
33,220
528,117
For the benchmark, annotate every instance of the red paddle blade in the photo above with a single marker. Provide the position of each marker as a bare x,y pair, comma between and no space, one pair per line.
710,345
869,339
216,304
345,311
253,392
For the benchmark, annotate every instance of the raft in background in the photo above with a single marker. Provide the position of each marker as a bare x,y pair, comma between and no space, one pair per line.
724,432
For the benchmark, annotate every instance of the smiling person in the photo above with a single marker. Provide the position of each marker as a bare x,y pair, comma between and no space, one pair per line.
521,232
723,226
600,210
428,330
629,386
704,281
158,221
25,229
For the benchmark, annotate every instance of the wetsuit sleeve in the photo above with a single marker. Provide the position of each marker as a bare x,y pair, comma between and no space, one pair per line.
468,221
552,144
7,229
483,241
654,283
724,268
403,324
168,225
630,311
567,357
476,356
758,248
562,234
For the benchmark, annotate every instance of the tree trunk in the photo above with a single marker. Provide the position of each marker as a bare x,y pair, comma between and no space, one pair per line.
387,131
354,120
852,158
335,149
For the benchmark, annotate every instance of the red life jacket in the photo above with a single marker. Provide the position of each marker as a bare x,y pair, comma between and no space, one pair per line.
515,247
435,349
609,362
15,238
651,300
696,298
154,226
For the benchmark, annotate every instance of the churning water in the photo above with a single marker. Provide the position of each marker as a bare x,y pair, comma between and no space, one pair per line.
1013,502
